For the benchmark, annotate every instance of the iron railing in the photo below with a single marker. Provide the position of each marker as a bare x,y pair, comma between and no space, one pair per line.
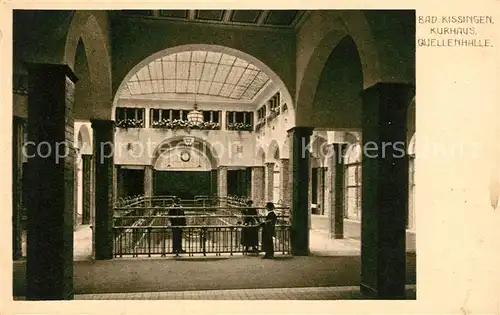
142,226
210,239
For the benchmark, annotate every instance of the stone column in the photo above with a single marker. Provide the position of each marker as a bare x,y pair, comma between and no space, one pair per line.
411,194
320,189
213,183
103,165
222,185
148,183
285,181
328,189
385,190
49,268
299,162
270,181
338,178
86,187
17,185
75,190
258,185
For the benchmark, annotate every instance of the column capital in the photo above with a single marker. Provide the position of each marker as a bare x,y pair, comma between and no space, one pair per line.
403,91
52,67
301,130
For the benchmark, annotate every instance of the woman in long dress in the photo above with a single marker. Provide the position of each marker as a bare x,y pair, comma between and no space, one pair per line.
250,231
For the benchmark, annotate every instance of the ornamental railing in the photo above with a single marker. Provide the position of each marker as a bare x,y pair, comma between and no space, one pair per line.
144,227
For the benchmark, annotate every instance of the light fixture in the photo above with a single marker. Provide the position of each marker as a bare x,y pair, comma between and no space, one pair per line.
195,117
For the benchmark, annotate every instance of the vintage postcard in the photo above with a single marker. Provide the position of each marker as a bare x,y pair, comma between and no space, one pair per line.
251,157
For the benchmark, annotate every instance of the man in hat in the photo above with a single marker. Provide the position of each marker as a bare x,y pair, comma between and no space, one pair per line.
268,232
177,221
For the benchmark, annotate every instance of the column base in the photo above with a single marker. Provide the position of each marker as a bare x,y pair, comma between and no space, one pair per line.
370,293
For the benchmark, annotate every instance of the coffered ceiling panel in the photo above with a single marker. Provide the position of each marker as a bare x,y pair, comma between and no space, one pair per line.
273,19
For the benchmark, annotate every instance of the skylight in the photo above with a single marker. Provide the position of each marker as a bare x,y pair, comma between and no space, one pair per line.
207,73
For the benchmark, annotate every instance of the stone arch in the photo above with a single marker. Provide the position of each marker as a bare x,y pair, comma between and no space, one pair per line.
351,138
260,157
319,146
273,151
85,28
411,120
353,153
412,145
84,142
349,23
198,144
287,98
285,149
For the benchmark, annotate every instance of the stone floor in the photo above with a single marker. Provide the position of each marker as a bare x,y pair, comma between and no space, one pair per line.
308,293
331,272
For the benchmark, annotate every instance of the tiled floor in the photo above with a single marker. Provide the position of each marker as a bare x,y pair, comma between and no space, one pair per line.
316,293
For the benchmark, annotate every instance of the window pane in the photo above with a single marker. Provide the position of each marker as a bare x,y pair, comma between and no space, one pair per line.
206,115
239,117
216,116
176,114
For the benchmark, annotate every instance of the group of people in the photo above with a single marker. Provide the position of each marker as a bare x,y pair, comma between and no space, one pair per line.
250,230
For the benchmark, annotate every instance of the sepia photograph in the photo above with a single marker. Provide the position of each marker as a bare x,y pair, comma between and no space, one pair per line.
214,155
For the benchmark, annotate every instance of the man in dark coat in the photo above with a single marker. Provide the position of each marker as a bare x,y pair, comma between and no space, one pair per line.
177,221
268,232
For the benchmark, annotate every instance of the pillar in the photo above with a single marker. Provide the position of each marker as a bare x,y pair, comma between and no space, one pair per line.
116,182
299,162
384,190
86,187
17,185
222,185
328,190
285,181
148,183
213,183
49,268
75,189
270,181
320,191
258,185
338,178
103,165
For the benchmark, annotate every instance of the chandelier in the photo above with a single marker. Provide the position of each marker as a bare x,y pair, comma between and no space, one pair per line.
195,116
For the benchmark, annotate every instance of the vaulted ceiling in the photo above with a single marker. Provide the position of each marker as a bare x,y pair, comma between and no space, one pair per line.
272,19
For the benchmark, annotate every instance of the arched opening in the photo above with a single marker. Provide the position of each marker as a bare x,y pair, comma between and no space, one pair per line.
337,101
184,168
83,89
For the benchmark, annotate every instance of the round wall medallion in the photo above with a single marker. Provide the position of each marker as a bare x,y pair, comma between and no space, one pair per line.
185,156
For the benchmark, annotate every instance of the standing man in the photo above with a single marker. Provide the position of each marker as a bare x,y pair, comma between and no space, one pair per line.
177,221
268,232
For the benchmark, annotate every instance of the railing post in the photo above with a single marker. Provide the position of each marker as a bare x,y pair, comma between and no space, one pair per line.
231,240
204,240
149,241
